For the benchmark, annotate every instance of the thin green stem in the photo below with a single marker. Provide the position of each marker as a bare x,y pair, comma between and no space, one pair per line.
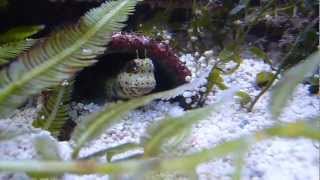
59,167
282,65
264,90
239,161
185,163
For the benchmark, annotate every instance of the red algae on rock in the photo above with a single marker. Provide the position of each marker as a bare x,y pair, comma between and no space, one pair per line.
159,52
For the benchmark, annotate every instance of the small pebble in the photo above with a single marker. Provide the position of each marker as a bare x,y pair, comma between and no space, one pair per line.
202,59
188,78
188,100
176,111
194,93
194,38
203,89
65,83
194,105
208,54
187,94
203,65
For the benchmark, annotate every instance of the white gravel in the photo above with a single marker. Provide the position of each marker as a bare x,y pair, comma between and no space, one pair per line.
278,158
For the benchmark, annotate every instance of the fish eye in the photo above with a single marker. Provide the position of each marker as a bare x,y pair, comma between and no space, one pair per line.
132,67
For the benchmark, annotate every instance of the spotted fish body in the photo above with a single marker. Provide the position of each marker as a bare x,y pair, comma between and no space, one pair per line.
135,79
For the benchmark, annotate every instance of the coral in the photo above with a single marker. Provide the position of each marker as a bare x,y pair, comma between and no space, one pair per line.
158,51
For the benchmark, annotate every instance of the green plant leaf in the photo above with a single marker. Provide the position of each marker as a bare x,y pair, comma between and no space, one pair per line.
111,151
96,123
289,130
225,55
215,78
307,129
186,163
55,111
47,148
287,84
244,97
231,53
19,33
260,54
263,78
122,149
239,161
237,58
61,55
172,126
10,51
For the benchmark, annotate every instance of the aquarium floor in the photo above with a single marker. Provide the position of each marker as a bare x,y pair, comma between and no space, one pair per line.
277,158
